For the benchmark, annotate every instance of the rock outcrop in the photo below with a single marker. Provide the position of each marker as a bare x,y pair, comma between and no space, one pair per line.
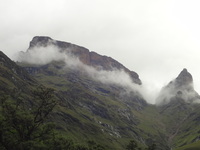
89,58
181,88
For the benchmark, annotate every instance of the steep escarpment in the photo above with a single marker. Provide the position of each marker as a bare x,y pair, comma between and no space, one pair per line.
89,58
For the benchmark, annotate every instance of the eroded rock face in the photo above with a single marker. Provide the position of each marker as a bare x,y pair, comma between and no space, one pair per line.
89,58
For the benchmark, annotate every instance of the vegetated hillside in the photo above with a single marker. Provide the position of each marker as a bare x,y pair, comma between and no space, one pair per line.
105,112
23,108
193,146
12,76
109,113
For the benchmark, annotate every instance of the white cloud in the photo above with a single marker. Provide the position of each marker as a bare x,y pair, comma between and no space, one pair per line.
41,55
116,77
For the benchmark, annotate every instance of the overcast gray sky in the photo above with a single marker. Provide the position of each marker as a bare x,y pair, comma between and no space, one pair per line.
155,38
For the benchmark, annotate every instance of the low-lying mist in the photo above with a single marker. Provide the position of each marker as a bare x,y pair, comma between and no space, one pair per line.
45,55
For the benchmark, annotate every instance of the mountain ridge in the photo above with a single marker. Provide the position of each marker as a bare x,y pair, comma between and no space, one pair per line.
89,58
109,114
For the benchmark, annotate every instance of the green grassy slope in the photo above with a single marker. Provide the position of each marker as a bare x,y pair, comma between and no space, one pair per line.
92,110
100,112
193,146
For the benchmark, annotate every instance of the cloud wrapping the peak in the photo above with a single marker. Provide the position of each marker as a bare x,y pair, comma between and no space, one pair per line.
45,55
116,77
172,91
41,55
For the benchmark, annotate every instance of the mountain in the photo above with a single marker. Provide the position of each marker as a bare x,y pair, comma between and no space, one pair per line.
98,111
126,115
89,58
111,112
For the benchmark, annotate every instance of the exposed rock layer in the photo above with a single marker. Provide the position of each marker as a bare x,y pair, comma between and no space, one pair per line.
85,56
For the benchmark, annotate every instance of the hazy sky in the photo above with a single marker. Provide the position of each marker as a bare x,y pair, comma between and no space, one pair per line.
155,38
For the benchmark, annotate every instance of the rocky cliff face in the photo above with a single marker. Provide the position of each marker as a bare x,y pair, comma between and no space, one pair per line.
89,58
181,88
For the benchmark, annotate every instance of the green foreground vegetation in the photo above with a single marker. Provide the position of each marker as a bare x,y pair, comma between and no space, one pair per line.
74,112
25,125
193,146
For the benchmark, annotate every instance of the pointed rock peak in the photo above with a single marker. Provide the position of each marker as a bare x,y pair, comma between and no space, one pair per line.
180,88
40,41
184,78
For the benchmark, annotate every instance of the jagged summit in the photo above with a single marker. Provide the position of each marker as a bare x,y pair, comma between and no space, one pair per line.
89,58
183,81
181,88
184,78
